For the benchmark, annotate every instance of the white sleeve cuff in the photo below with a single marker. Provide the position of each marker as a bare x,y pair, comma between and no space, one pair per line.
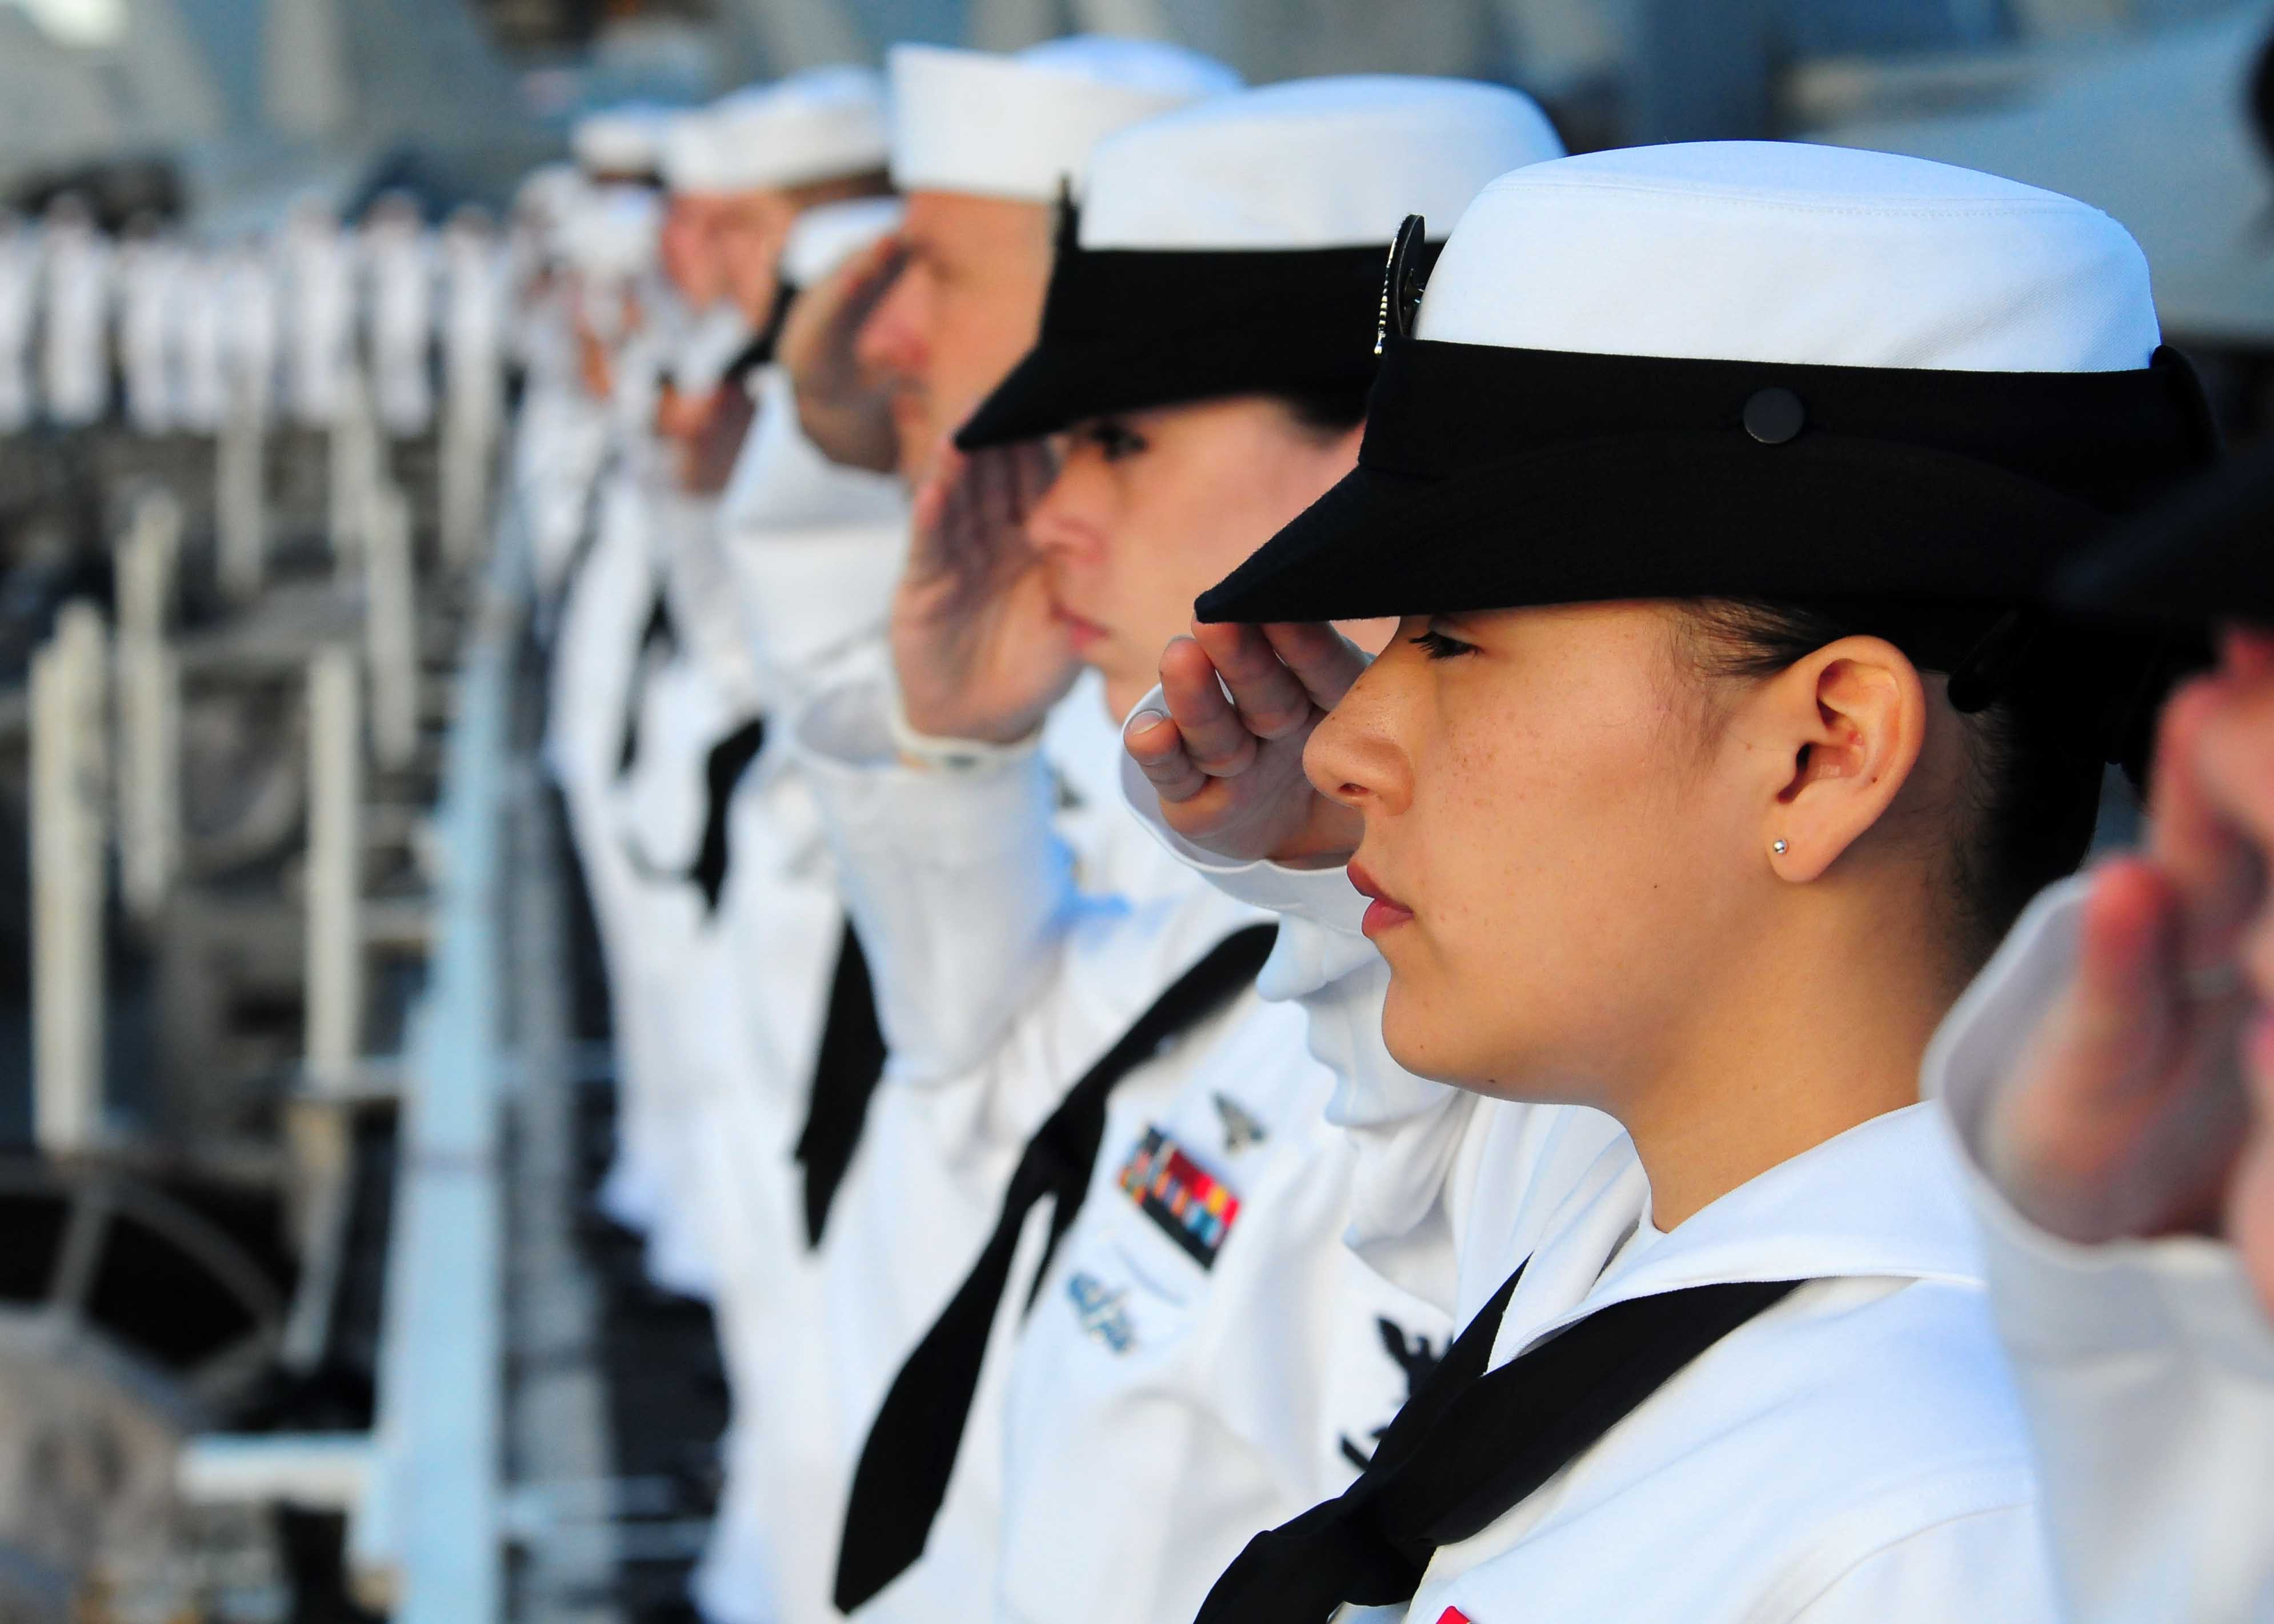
956,882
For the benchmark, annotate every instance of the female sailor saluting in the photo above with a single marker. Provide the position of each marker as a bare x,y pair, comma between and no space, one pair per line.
1712,757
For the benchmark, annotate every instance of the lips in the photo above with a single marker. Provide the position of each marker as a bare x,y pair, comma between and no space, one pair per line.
1085,633
1383,912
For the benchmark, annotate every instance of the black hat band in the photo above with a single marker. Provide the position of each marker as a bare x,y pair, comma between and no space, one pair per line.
1496,479
2105,439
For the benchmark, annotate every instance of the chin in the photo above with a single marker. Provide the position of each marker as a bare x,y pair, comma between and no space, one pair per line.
1425,1043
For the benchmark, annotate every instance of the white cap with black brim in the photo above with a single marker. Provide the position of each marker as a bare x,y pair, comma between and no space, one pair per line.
1021,126
1747,369
1236,247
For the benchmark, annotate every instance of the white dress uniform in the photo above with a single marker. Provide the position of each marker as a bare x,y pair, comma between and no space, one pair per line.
77,275
814,550
1886,1474
474,321
2146,1367
397,254
810,553
20,315
252,328
812,126
317,270
686,702
1854,1450
198,318
899,1213
151,272
565,437
1205,1358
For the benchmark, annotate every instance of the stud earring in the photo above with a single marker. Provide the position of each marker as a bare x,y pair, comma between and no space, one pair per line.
1777,846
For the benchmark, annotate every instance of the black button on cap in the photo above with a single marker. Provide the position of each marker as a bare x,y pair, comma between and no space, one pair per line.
1774,416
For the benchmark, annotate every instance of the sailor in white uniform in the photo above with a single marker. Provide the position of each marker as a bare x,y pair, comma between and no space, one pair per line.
813,135
1672,807
991,162
2108,1077
812,548
621,144
195,317
251,323
608,245
151,269
396,254
78,266
560,434
316,264
20,318
476,313
1203,1357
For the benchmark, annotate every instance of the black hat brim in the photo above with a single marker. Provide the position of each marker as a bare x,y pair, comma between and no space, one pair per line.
1675,514
1125,330
2206,555
1059,385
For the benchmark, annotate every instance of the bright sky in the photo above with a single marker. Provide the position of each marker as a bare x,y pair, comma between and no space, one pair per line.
77,22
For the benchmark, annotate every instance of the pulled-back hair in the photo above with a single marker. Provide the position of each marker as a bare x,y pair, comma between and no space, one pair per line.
2035,753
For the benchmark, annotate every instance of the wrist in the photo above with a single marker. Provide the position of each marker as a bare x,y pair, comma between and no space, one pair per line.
923,747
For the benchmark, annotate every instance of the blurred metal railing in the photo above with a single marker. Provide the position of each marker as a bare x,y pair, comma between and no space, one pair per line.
426,1539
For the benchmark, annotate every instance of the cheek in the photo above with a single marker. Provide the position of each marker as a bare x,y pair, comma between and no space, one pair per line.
1550,891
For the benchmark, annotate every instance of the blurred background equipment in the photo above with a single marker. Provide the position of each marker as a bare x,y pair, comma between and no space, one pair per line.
303,1309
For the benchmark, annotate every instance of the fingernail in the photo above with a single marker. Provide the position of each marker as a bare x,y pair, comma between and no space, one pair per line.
1143,720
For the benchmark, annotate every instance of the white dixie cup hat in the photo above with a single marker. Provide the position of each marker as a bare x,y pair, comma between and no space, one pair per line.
624,140
1021,126
821,125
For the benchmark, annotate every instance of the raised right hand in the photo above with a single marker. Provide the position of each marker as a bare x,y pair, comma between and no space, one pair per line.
978,645
2126,1113
1230,770
843,409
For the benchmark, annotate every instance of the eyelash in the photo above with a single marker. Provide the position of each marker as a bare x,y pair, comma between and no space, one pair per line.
1438,646
1115,442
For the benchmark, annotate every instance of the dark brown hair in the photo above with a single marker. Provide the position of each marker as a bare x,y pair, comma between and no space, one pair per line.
2031,795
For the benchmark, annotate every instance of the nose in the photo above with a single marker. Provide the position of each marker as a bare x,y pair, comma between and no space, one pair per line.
1353,756
892,343
1067,520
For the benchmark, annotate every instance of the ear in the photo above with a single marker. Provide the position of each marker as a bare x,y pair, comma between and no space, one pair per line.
1850,721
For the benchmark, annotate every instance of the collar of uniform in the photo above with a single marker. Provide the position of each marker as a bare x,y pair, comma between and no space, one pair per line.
1882,1199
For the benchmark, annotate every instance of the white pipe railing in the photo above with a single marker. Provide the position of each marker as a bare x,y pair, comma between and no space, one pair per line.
334,970
149,763
68,795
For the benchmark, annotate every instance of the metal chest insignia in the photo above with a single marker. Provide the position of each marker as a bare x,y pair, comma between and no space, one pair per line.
1241,1131
1191,1205
1101,1311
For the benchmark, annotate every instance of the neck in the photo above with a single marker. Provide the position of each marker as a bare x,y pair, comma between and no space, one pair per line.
1819,1030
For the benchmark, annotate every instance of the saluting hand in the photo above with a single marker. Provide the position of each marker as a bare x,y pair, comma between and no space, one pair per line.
979,648
844,409
1229,770
2129,1114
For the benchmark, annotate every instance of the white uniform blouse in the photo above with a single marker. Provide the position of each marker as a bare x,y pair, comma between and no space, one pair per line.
2146,1367
1168,1395
1855,1453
